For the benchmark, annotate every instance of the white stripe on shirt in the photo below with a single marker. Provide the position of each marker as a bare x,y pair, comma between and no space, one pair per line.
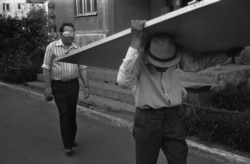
60,70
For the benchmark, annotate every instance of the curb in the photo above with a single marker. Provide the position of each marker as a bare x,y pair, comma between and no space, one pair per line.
215,154
194,148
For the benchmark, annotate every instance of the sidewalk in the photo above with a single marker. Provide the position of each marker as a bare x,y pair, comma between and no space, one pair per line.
36,139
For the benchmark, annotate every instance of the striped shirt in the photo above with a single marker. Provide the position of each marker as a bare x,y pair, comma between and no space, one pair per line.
60,70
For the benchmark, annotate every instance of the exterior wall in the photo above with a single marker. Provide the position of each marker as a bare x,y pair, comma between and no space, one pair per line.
110,19
88,28
112,16
65,12
125,11
159,7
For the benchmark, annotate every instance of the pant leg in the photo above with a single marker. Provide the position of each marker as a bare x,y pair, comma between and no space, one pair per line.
174,144
73,98
148,135
61,96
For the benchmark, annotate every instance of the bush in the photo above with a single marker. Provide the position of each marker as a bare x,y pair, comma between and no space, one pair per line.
232,97
217,126
226,122
23,44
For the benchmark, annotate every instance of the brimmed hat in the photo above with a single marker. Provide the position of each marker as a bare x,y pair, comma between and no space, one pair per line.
162,52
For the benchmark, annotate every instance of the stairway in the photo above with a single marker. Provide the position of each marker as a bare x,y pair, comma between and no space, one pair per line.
105,95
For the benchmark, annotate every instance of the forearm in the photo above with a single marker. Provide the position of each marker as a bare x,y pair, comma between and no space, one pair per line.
84,77
129,70
47,78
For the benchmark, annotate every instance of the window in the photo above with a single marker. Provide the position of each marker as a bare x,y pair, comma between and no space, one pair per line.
20,6
6,7
86,7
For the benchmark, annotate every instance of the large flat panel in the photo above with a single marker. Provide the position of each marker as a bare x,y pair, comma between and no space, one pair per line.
211,25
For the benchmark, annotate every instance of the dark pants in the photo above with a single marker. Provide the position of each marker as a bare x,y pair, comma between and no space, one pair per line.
156,129
66,96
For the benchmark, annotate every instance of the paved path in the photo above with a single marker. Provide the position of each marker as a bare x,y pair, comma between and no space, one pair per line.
30,135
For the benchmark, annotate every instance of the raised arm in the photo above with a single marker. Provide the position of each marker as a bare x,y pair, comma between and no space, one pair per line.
129,68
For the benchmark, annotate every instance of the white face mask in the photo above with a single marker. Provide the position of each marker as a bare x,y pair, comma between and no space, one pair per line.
68,34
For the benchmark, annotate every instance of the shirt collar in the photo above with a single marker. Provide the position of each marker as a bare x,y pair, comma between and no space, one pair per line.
59,43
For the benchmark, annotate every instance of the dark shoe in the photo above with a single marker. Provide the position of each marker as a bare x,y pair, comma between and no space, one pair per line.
75,144
68,151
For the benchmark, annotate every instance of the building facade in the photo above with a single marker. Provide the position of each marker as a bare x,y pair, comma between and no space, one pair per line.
95,19
18,8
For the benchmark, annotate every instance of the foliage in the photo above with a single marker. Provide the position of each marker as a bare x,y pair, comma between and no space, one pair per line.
231,97
226,122
216,126
244,57
23,42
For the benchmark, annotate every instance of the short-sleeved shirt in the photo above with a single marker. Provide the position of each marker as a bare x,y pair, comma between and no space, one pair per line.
60,70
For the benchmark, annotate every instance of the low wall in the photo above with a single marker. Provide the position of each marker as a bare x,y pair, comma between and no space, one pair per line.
84,39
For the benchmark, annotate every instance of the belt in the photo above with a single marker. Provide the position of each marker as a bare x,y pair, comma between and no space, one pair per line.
65,81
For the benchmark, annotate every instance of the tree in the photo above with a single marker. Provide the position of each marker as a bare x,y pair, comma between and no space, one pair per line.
23,43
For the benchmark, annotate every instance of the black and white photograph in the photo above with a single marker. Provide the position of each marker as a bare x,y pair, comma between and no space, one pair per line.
124,82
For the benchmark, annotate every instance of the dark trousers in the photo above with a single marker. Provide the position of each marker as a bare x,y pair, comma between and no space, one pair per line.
156,129
66,96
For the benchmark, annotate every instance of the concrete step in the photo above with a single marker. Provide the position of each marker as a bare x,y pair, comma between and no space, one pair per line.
96,74
109,77
103,83
111,91
198,78
230,73
95,99
36,85
39,77
102,75
212,75
108,104
104,89
113,94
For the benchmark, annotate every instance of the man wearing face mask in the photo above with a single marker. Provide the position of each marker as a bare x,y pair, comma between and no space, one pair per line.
152,71
61,82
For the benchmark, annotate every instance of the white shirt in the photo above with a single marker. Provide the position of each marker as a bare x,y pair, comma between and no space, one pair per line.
152,89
